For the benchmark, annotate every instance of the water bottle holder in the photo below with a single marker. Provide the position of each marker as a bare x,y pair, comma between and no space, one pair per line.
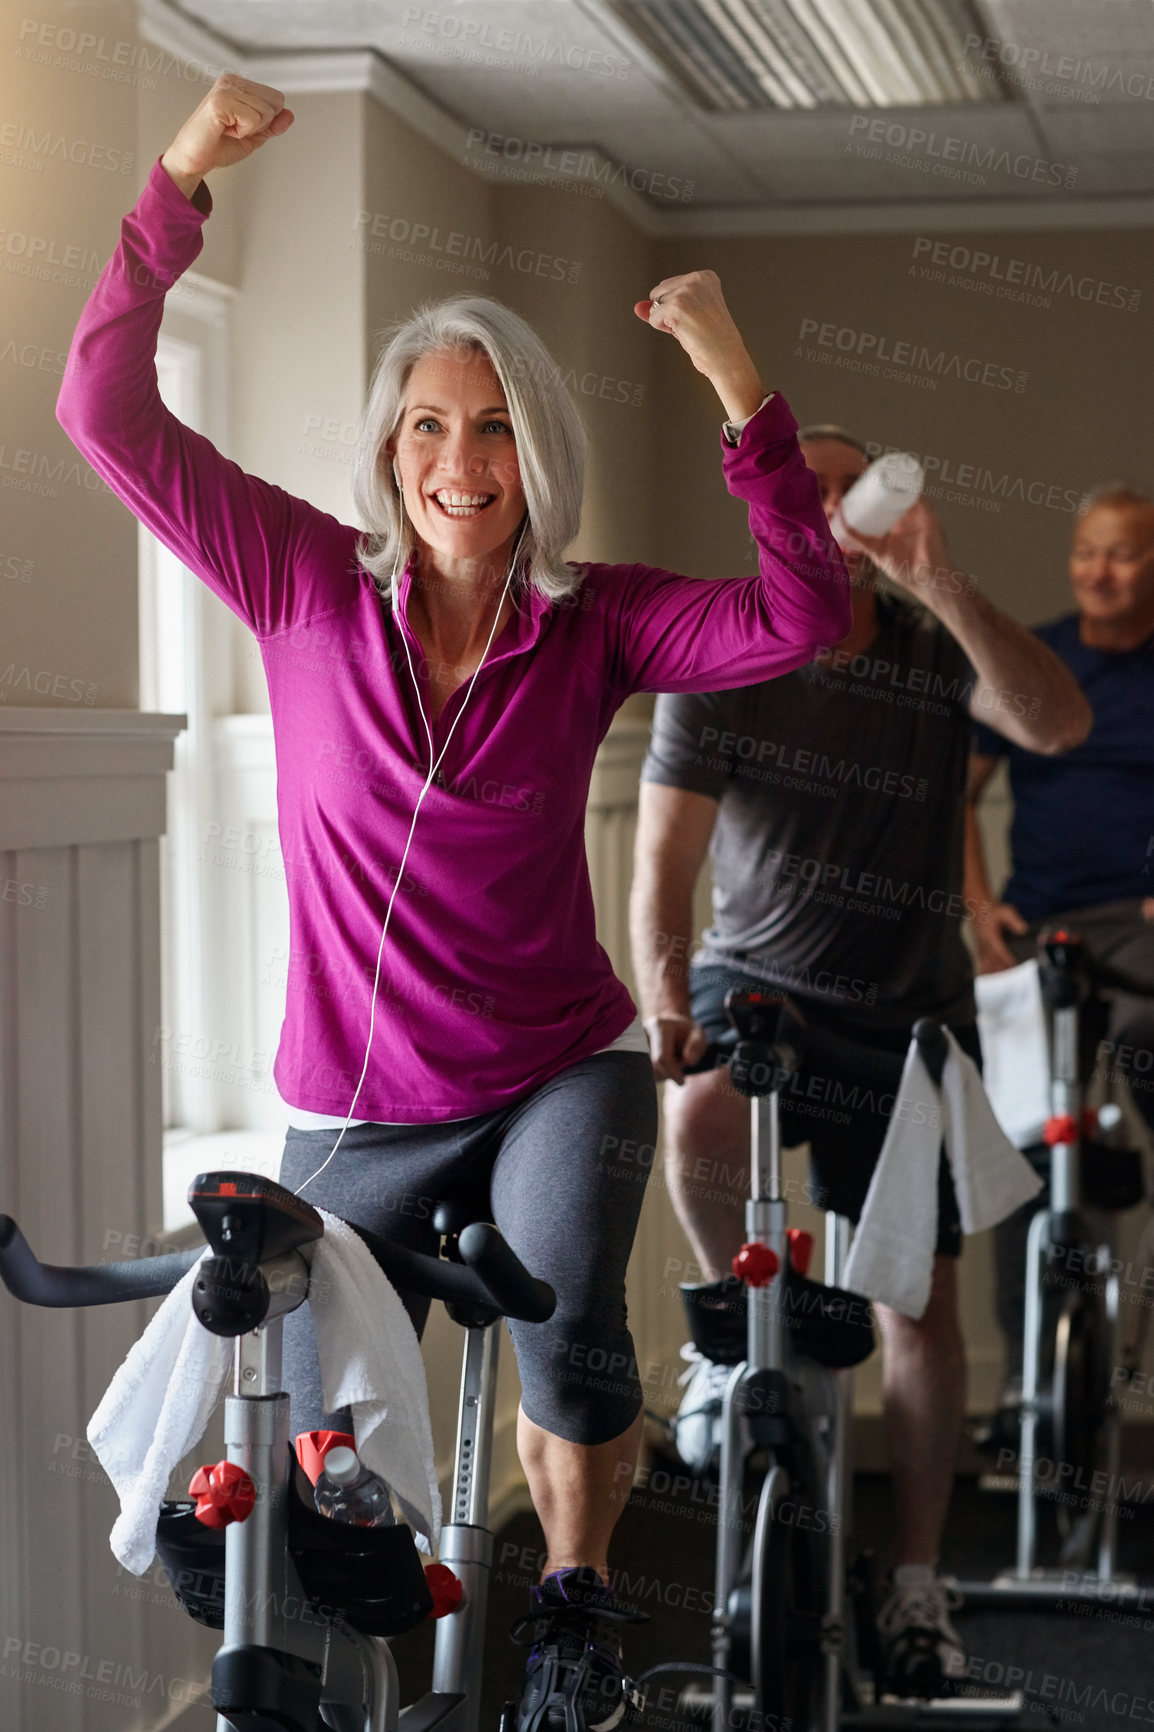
371,1578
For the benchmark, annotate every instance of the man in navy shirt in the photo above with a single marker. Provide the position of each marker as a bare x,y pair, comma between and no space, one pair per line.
1082,839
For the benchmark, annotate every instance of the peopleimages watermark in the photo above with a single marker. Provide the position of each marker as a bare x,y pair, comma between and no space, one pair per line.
35,357
948,155
37,472
99,1680
22,146
860,891
46,684
1056,74
24,893
70,50
901,358
814,768
983,487
534,163
1010,279
476,39
453,250
16,568
1051,1688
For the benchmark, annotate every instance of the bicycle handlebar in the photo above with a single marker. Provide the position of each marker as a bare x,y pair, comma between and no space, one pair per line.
836,1051
57,1285
492,1275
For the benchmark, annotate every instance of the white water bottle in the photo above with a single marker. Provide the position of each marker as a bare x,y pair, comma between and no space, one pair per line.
348,1492
882,493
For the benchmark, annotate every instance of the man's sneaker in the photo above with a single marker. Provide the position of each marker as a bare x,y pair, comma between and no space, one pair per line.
574,1679
697,1424
921,1651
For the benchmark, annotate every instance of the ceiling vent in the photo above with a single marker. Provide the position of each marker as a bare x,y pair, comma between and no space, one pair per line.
738,55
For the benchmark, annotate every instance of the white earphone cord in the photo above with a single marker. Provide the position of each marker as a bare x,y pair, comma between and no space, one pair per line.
433,768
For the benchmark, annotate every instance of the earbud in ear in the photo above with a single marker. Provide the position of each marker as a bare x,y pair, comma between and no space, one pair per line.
397,476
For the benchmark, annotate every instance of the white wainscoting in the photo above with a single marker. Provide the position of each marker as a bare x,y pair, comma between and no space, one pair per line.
82,805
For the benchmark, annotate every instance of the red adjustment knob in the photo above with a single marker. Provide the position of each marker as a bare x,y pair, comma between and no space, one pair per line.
223,1494
756,1265
446,1588
1062,1128
800,1249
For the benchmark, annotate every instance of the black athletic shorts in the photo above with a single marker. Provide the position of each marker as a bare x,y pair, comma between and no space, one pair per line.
844,1118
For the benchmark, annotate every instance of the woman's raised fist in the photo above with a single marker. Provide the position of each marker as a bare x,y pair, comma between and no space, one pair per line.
235,118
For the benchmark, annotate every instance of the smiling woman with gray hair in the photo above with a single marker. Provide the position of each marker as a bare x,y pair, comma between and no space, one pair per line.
451,1021
550,460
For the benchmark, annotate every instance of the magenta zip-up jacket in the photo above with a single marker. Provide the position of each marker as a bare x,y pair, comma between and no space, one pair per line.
492,979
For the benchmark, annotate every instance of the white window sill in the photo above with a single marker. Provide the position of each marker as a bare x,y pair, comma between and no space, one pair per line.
187,1153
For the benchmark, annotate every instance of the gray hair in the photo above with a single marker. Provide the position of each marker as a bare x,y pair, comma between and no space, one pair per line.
829,430
1117,493
550,438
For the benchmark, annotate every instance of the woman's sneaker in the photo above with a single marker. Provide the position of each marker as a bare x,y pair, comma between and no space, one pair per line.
922,1653
574,1679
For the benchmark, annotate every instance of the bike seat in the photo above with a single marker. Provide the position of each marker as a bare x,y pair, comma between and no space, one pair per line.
251,1219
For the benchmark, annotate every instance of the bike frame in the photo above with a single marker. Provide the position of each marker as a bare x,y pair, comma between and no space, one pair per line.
1043,1243
824,1412
766,1222
262,1588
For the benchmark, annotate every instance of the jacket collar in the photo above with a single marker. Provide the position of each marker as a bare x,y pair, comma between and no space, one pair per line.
530,611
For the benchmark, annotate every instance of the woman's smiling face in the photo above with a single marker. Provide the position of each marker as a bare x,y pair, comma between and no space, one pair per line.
457,455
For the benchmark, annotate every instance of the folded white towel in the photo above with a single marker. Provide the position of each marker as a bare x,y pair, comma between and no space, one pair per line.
153,1412
1012,1024
892,1256
371,1362
158,1404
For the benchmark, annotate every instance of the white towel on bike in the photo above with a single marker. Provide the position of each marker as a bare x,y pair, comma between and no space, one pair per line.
892,1256
371,1362
157,1406
1012,1024
153,1412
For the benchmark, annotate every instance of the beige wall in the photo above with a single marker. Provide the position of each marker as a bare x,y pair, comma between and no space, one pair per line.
68,632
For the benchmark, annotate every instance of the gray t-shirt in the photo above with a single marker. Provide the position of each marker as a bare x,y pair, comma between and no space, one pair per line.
838,849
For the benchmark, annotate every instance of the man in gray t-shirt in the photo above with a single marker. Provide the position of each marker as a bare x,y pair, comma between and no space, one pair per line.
837,855
831,802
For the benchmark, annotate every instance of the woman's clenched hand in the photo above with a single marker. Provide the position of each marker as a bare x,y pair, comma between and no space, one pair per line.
692,308
235,118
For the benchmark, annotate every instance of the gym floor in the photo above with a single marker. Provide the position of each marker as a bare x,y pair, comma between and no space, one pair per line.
1090,1668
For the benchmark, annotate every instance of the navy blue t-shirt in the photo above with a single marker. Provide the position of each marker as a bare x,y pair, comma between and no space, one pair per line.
1083,829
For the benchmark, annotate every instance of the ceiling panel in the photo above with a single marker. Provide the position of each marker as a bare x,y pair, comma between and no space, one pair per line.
907,154
1090,53
568,73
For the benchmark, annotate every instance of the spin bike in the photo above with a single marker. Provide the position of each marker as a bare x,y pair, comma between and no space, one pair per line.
792,1613
304,1602
1070,1443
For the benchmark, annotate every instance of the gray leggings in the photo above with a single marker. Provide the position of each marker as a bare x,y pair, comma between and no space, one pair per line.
562,1173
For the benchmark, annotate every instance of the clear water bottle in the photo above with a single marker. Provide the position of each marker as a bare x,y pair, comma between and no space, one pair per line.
882,493
348,1492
